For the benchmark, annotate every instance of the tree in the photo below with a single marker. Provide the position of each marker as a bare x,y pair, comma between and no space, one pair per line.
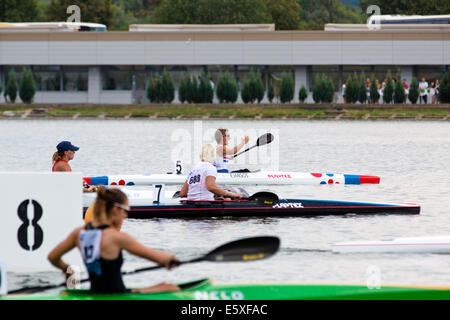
153,88
211,12
362,94
12,11
226,88
352,89
286,88
271,91
302,94
388,89
11,87
205,91
329,90
285,13
27,86
96,11
259,87
167,89
399,90
422,7
413,94
374,94
444,90
317,89
183,88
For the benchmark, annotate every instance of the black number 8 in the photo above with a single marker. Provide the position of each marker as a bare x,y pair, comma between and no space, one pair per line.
22,234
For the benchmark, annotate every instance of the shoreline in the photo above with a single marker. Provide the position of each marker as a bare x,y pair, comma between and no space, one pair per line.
435,112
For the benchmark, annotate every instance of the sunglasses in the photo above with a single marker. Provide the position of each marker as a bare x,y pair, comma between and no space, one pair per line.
121,206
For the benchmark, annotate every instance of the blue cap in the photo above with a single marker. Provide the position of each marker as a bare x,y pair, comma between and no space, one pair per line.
66,145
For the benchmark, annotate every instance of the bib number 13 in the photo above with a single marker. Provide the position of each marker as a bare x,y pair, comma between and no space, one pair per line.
22,233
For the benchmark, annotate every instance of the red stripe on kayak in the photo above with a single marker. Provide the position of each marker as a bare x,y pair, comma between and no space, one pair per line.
390,244
369,179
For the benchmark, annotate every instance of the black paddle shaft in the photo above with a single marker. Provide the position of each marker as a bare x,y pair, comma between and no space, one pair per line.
263,140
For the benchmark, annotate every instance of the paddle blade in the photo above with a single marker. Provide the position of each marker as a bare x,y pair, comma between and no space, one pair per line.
264,139
248,249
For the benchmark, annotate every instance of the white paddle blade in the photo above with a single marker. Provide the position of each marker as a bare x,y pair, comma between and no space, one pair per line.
3,280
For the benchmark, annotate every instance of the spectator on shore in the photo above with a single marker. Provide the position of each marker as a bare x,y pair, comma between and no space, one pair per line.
435,99
344,85
432,93
368,83
381,90
423,88
406,87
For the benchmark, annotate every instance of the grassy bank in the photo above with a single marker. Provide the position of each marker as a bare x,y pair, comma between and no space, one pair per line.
184,111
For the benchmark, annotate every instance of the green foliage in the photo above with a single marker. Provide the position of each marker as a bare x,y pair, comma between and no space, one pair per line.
11,87
27,86
258,87
193,96
253,88
317,89
212,12
246,91
399,90
352,89
271,91
374,94
444,90
362,94
314,14
388,89
205,92
184,88
422,7
153,88
285,13
323,89
329,90
413,94
227,90
167,88
15,11
286,88
96,11
302,94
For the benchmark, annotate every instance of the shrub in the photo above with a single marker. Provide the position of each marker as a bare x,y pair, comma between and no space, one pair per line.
413,94
153,88
27,86
399,90
302,94
352,89
167,88
271,91
11,87
246,94
374,94
444,89
193,96
226,90
362,94
317,89
259,87
388,89
329,90
183,88
205,93
286,88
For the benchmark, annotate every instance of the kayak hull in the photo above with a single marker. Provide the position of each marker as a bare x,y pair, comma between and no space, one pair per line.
284,208
239,178
205,290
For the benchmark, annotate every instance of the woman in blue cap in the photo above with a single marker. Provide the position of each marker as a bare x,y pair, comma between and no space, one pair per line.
61,158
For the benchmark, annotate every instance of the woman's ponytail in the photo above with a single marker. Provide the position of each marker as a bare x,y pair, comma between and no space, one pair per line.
104,203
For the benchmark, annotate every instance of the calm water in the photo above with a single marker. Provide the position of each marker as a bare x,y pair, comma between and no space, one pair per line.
412,159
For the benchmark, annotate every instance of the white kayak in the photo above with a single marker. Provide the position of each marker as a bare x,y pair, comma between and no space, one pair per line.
239,178
435,244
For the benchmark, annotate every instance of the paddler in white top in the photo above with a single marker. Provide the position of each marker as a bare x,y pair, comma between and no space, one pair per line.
223,152
201,181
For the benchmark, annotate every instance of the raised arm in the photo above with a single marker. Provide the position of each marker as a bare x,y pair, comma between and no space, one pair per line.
221,151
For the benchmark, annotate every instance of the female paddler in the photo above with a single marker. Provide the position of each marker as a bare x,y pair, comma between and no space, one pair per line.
201,181
101,243
223,152
65,153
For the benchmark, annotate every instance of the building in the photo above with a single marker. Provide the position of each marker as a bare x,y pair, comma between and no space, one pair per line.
114,67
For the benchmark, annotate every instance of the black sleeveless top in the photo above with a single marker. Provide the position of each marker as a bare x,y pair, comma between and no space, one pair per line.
104,274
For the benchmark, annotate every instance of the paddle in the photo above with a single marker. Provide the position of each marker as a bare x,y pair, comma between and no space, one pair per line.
263,140
248,249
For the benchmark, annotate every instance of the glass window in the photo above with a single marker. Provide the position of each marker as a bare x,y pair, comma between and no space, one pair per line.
75,78
430,73
47,78
116,77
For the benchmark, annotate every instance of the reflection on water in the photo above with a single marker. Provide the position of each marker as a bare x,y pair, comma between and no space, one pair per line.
411,158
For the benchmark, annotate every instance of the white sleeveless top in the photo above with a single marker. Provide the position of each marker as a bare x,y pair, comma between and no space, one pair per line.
90,241
197,181
221,162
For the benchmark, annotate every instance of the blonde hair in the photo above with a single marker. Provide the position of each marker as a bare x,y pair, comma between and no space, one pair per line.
105,201
208,153
58,155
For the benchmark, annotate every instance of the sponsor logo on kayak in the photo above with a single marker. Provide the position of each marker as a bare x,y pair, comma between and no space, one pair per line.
279,176
219,295
247,257
239,175
288,205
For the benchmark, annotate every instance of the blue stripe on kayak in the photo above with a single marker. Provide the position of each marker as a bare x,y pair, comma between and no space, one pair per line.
99,180
351,179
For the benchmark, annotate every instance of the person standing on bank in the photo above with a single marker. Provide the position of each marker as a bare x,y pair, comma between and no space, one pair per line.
65,153
223,153
101,243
